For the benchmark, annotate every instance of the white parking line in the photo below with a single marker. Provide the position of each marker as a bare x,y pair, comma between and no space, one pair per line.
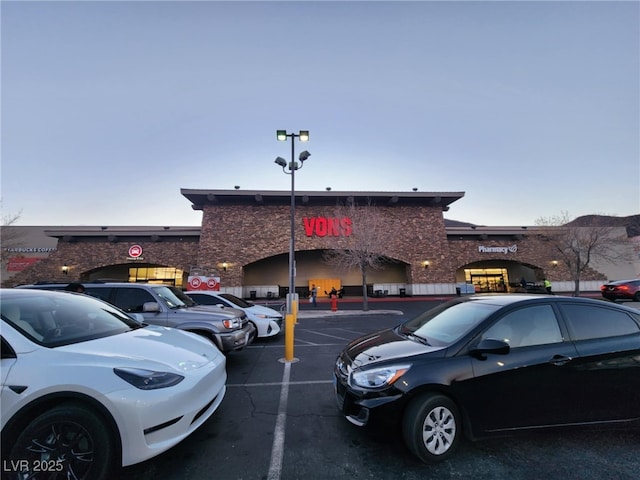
298,342
325,335
277,450
275,384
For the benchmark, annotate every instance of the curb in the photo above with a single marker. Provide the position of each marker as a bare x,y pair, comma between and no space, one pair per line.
344,313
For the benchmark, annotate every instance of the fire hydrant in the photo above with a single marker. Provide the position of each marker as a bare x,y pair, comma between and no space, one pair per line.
334,302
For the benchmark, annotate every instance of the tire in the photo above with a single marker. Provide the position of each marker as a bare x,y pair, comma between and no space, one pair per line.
431,427
67,441
636,297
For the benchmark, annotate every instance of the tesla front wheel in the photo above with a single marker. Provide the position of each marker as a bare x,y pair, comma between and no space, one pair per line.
431,427
68,441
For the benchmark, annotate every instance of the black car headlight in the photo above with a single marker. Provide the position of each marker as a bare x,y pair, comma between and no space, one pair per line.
148,379
379,377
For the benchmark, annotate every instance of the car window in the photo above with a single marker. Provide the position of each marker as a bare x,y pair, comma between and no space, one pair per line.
131,299
101,293
236,301
533,325
591,321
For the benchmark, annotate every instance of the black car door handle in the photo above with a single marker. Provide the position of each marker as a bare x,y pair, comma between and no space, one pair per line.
560,360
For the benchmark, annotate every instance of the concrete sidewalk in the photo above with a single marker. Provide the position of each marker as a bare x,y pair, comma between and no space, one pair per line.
342,313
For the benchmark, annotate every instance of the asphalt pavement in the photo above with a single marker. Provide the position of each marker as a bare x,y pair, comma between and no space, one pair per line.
279,421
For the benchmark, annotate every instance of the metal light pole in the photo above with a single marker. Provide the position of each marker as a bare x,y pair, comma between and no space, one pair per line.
292,297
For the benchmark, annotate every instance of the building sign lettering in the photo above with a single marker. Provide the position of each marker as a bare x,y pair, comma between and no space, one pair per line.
327,226
17,264
509,249
30,249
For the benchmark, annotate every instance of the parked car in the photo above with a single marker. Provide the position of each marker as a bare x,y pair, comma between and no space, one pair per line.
86,388
494,364
168,306
622,290
267,321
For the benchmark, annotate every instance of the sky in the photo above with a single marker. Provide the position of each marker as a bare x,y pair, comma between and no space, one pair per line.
109,108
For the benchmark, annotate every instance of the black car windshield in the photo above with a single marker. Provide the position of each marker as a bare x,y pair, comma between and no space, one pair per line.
447,323
54,318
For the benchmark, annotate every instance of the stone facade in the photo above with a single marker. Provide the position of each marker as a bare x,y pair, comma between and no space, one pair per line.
242,229
83,257
240,235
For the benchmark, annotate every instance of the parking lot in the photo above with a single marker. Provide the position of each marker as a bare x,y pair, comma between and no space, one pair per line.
279,421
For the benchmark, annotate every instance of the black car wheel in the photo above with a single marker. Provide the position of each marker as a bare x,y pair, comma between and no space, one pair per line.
65,442
431,427
636,297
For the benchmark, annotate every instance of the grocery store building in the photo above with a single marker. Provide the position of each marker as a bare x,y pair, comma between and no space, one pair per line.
243,243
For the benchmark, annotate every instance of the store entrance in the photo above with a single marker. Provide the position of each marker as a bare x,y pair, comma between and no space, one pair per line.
487,280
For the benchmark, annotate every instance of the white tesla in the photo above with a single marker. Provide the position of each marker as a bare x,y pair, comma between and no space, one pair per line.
85,387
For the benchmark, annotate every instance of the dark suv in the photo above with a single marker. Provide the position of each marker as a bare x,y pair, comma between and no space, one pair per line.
168,306
622,290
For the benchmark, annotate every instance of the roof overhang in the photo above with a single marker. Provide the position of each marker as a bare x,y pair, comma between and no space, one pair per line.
200,198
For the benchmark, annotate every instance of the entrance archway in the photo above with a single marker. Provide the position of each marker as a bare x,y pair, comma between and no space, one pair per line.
310,265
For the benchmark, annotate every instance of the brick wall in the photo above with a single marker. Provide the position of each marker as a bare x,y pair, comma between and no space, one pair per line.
240,235
84,256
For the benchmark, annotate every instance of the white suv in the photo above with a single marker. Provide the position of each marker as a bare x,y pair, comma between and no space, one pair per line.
86,388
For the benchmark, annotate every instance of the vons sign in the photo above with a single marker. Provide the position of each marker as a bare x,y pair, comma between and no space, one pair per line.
327,226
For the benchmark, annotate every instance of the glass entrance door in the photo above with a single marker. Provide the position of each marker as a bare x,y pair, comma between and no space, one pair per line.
485,280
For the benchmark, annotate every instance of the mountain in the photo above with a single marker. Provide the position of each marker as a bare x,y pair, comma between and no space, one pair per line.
632,222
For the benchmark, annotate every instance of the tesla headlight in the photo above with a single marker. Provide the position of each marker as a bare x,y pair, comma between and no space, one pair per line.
148,379
379,377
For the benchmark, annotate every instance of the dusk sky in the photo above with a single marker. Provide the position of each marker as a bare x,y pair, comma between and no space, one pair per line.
109,108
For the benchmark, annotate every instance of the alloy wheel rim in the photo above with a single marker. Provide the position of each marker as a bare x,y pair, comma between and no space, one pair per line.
66,448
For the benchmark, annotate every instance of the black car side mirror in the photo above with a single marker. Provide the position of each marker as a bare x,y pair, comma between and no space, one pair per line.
489,345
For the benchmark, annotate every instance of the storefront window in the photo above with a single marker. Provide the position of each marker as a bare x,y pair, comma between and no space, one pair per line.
162,275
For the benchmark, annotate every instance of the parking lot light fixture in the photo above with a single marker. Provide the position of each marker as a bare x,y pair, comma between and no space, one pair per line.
290,169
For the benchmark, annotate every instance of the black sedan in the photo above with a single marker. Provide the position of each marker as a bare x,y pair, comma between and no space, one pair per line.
494,364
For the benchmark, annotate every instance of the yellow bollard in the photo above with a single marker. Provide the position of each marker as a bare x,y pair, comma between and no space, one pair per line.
294,310
288,337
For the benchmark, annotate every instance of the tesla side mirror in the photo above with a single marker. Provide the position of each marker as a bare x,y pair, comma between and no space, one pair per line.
489,345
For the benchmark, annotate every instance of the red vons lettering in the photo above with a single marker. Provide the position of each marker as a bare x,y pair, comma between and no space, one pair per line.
327,227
